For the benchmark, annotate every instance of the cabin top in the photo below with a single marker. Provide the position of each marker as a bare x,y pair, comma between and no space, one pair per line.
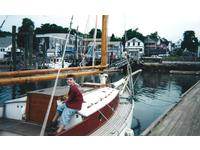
60,91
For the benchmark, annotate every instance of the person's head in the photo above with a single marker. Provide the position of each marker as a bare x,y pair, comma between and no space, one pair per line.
70,79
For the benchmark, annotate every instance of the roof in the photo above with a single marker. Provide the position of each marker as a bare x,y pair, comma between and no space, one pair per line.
5,41
134,39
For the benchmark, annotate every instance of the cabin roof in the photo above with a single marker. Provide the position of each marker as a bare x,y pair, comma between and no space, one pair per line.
60,91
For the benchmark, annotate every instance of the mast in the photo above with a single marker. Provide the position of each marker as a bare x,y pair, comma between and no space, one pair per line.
104,40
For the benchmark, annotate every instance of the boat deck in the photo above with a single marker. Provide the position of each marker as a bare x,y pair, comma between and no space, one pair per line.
14,127
111,128
115,125
182,119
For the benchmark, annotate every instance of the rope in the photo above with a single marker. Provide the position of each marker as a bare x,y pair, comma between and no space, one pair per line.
56,81
94,43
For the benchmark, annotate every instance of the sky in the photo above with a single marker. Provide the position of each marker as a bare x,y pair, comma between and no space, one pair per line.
170,18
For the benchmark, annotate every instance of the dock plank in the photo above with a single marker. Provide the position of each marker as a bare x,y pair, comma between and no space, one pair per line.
183,119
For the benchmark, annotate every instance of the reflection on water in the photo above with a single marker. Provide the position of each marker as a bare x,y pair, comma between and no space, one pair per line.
154,93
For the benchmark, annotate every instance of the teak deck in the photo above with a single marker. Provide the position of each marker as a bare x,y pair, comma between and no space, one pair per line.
181,120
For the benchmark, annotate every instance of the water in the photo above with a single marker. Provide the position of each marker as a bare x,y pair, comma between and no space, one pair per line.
154,93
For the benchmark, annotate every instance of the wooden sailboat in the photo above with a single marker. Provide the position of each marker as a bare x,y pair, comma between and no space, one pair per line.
107,109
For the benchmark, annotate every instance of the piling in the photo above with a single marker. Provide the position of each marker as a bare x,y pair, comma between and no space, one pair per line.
13,48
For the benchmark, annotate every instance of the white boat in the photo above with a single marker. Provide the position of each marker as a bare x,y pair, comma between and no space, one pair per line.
107,110
56,63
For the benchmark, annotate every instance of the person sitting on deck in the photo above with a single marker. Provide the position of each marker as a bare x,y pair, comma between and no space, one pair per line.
71,104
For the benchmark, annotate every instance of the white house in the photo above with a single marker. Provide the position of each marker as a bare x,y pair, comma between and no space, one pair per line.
135,48
5,46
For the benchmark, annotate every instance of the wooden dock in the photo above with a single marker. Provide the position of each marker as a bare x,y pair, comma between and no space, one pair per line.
183,119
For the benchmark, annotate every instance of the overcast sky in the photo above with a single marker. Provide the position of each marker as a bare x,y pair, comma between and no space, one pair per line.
169,18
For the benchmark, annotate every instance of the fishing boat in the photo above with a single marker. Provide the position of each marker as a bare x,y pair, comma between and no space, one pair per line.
107,108
56,63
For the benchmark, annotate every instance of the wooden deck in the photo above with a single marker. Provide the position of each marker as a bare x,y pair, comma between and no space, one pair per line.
183,119
114,126
13,127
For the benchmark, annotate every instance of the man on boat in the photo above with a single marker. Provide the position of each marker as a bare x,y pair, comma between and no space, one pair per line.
71,104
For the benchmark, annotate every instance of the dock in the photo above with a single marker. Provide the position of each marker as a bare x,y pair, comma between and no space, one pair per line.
182,119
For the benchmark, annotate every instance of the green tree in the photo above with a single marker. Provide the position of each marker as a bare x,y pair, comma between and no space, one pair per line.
26,28
51,28
190,42
91,33
154,35
5,33
113,38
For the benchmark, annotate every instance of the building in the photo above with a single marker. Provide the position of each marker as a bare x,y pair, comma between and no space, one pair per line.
135,48
53,44
178,44
6,47
114,50
156,46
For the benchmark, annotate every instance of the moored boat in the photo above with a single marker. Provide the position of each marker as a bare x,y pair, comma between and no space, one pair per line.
106,110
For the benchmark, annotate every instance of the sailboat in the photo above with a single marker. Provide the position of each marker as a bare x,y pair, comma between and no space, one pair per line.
107,109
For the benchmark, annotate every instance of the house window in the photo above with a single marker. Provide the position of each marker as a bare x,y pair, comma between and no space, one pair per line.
138,43
140,50
128,44
133,43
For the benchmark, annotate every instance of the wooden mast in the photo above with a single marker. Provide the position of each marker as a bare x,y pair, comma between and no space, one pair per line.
104,41
20,77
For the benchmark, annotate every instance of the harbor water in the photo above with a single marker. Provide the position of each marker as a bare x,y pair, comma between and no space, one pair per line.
154,93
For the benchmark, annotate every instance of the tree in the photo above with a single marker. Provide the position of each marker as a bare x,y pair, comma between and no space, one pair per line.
27,27
5,33
190,42
91,33
113,38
